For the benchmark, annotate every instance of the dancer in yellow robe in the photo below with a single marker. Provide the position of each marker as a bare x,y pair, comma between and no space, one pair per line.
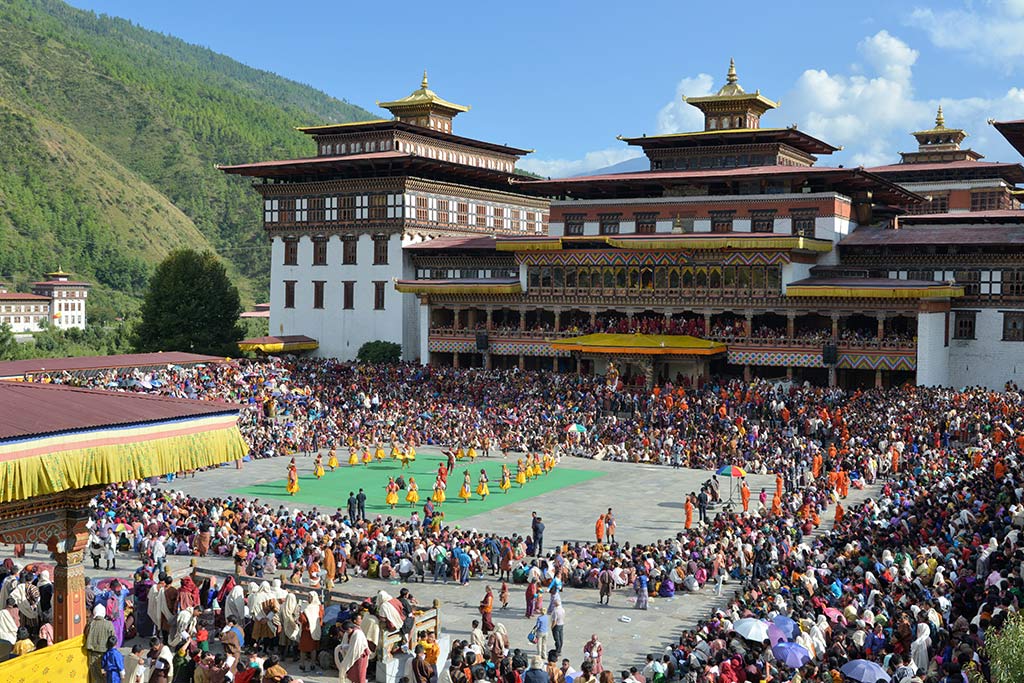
439,487
318,466
520,473
466,492
391,498
353,456
293,478
413,495
481,486
332,460
506,478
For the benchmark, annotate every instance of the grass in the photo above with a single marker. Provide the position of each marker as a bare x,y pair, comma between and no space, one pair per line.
332,490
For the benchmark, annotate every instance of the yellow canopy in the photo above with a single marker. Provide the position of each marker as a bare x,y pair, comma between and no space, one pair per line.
647,344
937,291
279,344
457,287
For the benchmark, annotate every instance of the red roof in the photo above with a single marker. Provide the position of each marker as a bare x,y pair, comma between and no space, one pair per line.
967,217
915,235
241,168
19,368
28,409
648,180
1013,131
1008,170
60,283
445,243
362,127
22,296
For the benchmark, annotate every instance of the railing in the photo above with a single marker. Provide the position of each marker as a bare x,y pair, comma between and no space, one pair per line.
784,342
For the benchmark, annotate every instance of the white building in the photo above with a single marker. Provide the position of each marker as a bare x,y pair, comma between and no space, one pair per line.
67,299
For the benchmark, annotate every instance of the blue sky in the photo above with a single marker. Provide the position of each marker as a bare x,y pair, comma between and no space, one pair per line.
565,78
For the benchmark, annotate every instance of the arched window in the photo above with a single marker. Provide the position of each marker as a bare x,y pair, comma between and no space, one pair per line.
584,279
634,278
620,278
661,278
609,278
715,280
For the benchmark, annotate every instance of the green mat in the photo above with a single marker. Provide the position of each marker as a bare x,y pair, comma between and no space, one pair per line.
332,490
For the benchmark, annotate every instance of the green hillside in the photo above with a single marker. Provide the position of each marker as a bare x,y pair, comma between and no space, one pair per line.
110,135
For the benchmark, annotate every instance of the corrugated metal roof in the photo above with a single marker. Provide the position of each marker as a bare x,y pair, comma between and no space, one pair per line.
28,409
18,368
973,235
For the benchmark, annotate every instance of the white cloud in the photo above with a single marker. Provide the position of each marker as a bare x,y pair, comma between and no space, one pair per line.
990,31
677,116
561,168
869,108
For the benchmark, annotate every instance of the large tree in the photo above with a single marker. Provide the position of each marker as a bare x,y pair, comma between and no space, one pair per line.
191,305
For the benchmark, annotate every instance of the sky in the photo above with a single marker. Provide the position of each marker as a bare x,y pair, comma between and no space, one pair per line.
565,78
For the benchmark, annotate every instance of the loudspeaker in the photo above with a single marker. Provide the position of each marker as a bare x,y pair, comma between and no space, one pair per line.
482,343
830,354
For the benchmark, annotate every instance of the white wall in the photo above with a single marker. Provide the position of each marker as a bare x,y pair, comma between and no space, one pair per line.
791,272
986,360
340,332
932,353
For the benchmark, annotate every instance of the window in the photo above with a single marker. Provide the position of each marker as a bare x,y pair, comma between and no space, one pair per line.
331,209
432,209
489,215
609,223
939,203
289,293
318,293
271,213
348,250
990,200
963,324
803,222
291,252
1013,326
378,295
538,222
991,283
646,223
301,210
380,250
348,295
721,221
762,221
320,251
395,202
362,207
574,224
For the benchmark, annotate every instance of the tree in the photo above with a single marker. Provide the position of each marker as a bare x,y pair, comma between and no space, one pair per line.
379,352
191,305
8,344
1005,650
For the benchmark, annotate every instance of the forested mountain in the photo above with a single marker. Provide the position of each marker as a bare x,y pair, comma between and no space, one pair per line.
108,138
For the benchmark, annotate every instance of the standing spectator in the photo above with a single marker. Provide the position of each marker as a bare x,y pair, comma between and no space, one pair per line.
112,662
540,632
98,632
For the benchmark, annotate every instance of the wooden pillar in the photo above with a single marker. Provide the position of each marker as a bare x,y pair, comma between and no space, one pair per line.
69,617
490,318
522,318
789,372
746,373
522,362
471,318
455,359
593,318
878,379
487,360
831,375
881,326
558,321
707,323
455,320
790,325
748,326
835,329
579,364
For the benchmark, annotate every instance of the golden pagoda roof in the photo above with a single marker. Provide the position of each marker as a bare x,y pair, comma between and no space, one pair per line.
940,127
732,91
424,97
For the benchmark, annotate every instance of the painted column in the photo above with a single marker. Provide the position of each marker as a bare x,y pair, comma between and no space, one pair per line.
455,359
558,322
878,379
881,326
748,326
490,318
835,328
456,323
69,617
522,362
790,325
746,373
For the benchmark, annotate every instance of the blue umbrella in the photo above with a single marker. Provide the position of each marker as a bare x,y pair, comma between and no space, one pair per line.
788,626
791,654
865,671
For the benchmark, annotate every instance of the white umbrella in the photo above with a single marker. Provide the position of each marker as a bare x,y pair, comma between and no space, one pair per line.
751,629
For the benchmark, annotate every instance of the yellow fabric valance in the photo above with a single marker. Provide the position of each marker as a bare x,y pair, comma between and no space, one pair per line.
107,456
457,288
64,661
547,244
854,292
645,344
730,241
279,346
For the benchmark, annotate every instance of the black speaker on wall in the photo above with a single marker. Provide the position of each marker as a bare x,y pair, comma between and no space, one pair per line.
482,342
830,354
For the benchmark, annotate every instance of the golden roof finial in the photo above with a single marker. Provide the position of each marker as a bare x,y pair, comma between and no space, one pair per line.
940,120
423,83
731,77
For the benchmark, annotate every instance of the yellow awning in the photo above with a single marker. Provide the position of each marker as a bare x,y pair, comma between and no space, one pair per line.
647,344
730,241
426,287
542,244
854,292
279,344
